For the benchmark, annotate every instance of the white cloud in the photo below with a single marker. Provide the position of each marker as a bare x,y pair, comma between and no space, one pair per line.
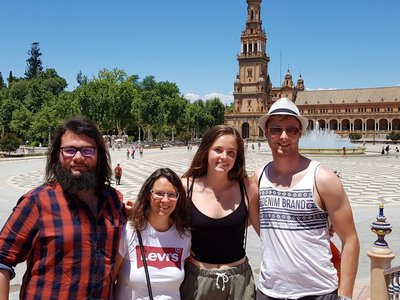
320,89
192,97
225,98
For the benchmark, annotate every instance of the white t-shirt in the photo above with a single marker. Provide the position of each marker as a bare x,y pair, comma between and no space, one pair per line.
165,252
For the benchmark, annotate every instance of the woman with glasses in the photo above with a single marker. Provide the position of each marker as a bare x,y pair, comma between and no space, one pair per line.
160,219
216,184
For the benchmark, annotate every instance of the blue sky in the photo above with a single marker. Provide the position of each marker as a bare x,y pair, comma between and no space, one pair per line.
334,44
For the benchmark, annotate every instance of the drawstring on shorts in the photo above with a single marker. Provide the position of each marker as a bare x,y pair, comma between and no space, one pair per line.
224,280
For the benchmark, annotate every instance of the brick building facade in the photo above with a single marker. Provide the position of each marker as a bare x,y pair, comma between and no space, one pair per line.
373,112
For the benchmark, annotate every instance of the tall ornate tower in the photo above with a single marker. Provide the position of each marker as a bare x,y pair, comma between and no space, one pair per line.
253,93
252,87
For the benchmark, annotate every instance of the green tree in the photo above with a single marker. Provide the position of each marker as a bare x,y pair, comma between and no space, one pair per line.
394,136
173,107
34,63
36,96
7,108
19,90
355,136
11,78
9,143
148,109
174,114
21,122
148,83
52,114
81,79
2,83
107,99
197,118
215,109
51,82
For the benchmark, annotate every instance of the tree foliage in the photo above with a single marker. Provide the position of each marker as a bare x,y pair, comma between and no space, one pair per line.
2,83
9,142
354,136
34,62
32,107
393,135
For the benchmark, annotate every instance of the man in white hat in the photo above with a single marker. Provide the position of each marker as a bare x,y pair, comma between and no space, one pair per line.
298,199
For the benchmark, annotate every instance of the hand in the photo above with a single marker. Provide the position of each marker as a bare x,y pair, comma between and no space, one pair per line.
129,204
331,231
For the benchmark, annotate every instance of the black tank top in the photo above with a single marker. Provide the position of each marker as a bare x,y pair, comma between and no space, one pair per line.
218,241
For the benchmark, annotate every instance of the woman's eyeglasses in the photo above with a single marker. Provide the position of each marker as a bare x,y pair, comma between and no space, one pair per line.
71,151
159,195
290,131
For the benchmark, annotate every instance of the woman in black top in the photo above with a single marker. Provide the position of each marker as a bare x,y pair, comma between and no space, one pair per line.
216,184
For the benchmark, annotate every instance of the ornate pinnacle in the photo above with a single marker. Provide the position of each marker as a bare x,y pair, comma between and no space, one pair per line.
381,228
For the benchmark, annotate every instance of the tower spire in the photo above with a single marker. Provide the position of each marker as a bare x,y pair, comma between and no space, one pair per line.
252,85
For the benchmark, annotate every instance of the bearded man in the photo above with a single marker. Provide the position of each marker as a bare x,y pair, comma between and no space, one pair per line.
67,229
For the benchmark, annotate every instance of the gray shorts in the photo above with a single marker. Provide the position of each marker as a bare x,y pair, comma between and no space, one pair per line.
235,283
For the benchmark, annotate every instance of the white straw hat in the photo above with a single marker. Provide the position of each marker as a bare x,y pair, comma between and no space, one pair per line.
284,107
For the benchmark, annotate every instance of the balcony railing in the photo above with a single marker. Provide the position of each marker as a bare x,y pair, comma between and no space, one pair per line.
393,277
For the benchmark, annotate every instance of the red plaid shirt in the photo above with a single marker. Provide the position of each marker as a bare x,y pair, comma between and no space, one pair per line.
70,253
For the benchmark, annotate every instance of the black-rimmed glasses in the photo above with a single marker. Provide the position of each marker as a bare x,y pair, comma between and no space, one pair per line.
159,195
71,151
290,131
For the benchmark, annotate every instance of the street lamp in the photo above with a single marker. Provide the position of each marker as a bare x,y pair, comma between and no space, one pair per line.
49,136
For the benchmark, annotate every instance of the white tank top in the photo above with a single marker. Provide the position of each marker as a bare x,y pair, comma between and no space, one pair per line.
296,259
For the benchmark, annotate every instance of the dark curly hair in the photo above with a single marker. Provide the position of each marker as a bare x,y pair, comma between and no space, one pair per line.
85,126
139,214
200,160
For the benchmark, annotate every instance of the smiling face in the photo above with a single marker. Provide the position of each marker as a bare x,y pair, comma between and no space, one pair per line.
166,205
78,164
283,134
222,154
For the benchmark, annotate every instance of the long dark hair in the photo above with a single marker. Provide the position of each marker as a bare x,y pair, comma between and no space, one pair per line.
140,212
85,126
200,160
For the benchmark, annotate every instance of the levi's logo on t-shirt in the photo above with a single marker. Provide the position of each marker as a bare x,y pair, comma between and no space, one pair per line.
160,257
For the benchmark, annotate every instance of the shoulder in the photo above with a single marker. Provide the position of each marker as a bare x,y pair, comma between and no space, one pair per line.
184,181
325,175
111,193
40,192
328,183
251,185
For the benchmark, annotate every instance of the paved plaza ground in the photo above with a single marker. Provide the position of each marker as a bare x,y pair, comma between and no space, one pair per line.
368,179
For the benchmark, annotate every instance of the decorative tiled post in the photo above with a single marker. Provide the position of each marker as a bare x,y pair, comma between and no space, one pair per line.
380,256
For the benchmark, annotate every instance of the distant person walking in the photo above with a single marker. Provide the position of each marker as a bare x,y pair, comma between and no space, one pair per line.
133,152
141,151
396,152
387,150
118,174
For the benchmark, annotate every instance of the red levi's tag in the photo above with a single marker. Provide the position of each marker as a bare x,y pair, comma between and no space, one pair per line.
159,257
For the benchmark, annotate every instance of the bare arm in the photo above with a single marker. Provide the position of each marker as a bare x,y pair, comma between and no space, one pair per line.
336,202
254,207
4,284
118,263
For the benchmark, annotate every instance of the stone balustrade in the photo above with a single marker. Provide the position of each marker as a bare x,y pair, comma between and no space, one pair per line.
384,279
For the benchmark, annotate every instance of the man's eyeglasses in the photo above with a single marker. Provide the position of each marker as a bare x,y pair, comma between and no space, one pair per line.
71,151
290,131
159,195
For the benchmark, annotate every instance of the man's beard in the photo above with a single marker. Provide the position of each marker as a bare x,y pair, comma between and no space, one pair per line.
74,184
